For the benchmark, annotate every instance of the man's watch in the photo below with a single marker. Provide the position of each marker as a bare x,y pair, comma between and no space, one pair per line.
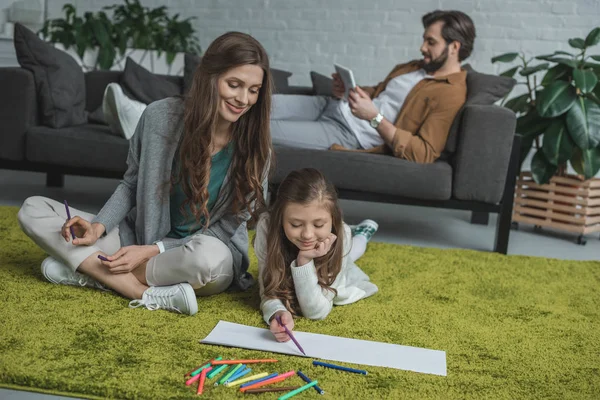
377,120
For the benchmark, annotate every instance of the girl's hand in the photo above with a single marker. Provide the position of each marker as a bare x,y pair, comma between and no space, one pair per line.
87,234
129,258
277,330
320,249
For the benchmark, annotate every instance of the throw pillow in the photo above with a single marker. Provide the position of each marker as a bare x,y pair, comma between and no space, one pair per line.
482,89
191,62
142,85
322,84
59,81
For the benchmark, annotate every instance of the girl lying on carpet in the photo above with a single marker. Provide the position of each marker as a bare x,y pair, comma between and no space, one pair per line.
302,266
175,227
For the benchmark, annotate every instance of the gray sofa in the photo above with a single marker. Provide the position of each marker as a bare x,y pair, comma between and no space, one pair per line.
477,172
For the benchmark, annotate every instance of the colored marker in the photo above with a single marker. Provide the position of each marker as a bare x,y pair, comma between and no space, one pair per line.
308,380
339,367
278,318
102,257
238,375
229,374
202,379
69,216
206,365
198,367
192,380
273,375
253,378
216,371
295,392
278,378
230,362
277,389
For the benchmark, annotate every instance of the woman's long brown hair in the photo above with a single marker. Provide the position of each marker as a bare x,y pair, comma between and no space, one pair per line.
250,133
301,187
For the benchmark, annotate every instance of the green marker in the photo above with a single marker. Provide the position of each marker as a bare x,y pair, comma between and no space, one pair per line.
216,371
295,392
229,374
196,372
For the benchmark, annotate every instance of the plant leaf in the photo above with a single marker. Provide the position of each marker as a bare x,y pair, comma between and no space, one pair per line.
595,58
541,169
558,146
531,124
518,104
585,79
510,72
593,37
505,58
566,53
577,43
583,122
533,69
586,162
526,145
556,99
561,60
554,73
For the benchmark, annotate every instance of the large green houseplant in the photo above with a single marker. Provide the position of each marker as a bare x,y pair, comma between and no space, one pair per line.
563,107
131,26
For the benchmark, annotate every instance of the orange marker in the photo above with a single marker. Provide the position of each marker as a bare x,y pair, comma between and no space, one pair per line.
231,362
278,378
202,379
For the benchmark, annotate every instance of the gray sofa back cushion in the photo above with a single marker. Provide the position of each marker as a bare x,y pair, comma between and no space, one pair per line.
59,81
145,86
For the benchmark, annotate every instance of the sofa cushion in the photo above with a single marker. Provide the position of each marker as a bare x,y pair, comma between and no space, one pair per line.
322,84
145,86
482,89
373,173
59,81
85,146
191,62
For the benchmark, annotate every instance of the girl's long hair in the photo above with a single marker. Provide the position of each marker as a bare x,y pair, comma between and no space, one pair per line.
301,187
251,133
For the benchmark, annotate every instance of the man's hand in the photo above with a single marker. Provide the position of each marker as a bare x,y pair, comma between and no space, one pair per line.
129,258
361,104
338,89
320,249
277,330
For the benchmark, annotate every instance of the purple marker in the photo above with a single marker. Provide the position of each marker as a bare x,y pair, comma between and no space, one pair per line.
103,258
69,216
278,318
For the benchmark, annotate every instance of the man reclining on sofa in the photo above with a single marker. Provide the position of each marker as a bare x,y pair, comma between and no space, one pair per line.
408,114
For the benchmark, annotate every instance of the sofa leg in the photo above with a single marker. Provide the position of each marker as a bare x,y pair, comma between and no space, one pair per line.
54,179
508,197
480,218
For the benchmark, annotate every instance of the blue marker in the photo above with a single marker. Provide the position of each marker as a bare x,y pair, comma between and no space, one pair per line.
273,375
307,380
339,367
244,371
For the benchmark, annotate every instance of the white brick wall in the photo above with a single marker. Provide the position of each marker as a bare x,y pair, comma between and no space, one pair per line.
372,36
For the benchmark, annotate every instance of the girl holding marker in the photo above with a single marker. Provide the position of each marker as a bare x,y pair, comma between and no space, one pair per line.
175,227
306,253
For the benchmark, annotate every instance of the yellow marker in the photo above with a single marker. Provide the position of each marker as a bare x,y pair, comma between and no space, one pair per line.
248,379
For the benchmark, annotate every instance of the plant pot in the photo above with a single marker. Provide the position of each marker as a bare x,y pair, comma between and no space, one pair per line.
567,203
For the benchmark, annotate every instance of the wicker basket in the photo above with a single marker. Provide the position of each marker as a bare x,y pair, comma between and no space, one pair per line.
566,203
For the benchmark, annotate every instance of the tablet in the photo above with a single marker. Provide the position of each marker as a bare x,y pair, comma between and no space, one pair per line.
347,77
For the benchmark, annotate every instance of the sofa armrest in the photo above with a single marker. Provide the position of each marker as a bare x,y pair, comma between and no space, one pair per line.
483,153
18,111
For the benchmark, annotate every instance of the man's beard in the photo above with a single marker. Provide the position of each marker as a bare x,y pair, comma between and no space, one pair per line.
435,64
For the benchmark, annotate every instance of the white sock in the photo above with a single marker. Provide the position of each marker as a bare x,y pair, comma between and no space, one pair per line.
359,246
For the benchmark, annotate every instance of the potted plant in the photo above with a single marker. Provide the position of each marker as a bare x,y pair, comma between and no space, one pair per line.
563,110
103,41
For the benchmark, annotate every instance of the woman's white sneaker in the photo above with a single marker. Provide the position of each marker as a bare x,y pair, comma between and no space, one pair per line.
56,272
178,298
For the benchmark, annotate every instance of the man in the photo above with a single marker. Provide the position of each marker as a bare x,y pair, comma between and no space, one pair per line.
409,114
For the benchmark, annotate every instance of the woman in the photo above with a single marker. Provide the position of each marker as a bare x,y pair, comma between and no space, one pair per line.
175,227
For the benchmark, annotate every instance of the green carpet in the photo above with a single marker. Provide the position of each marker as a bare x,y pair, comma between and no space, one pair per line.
512,327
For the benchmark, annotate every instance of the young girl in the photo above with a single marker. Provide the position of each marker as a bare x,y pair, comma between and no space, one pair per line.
303,250
175,227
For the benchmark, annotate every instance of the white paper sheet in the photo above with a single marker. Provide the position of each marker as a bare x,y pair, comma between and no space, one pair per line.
332,348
